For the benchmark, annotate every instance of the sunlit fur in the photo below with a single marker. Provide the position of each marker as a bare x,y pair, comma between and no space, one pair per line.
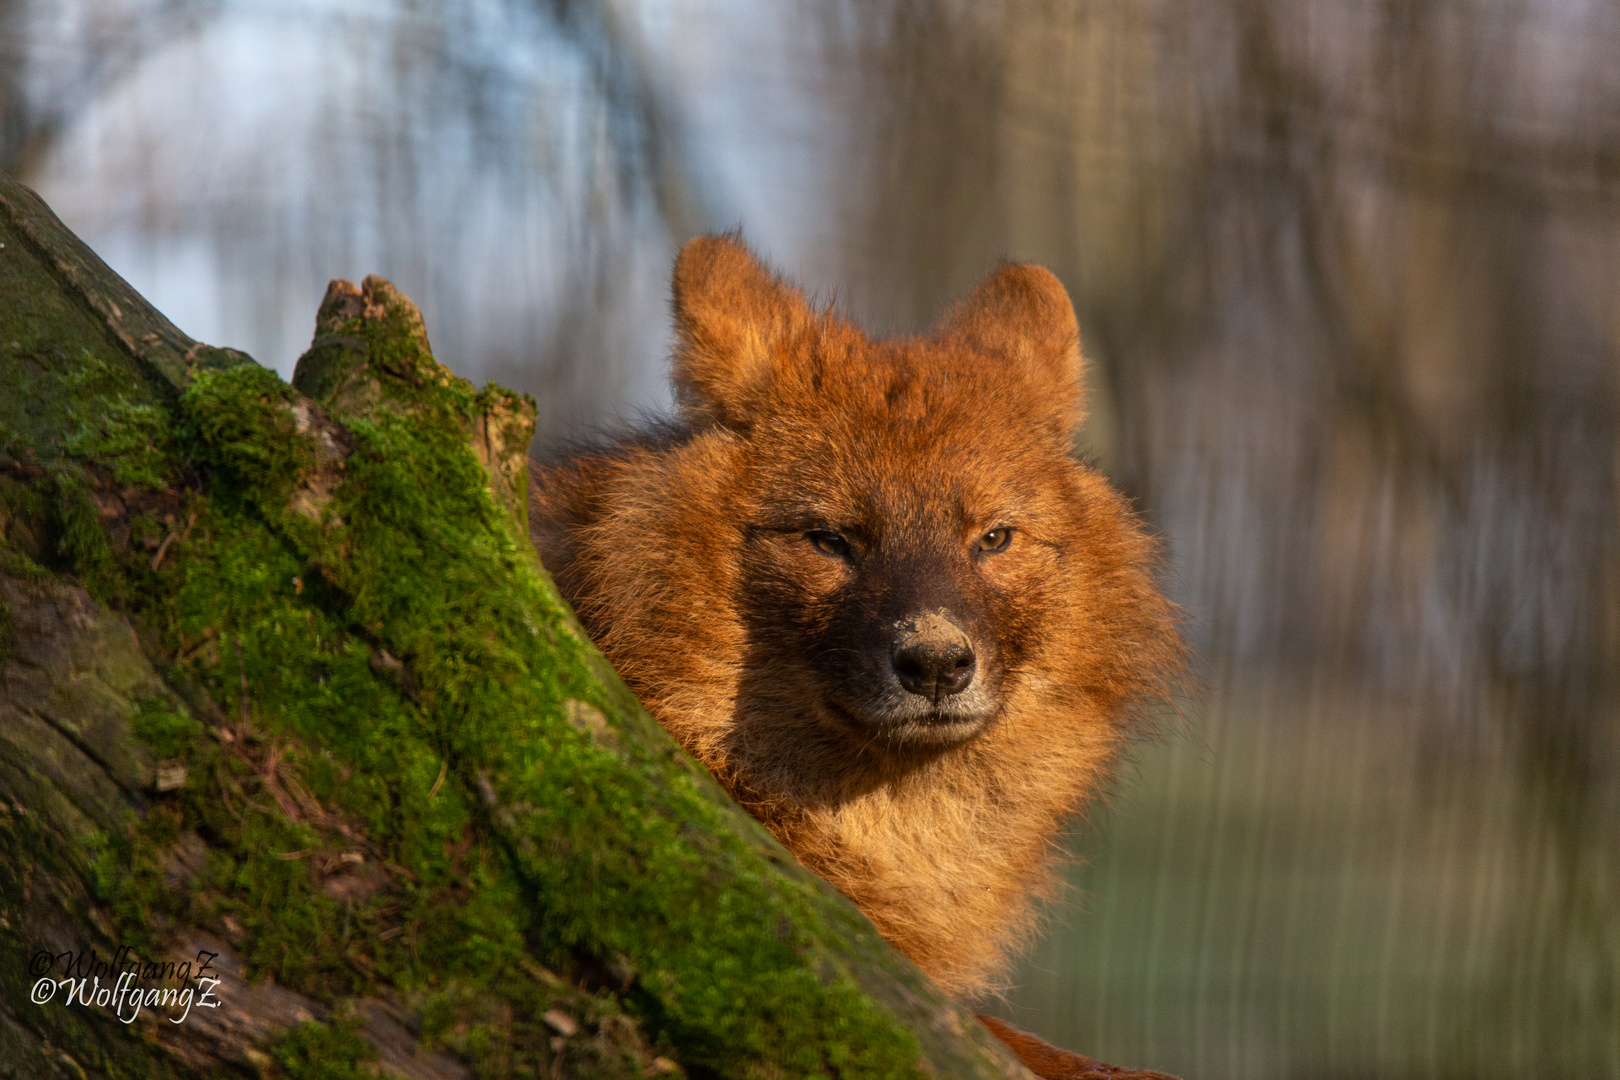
685,552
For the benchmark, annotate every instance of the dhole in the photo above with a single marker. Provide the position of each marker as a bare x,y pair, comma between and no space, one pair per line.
868,586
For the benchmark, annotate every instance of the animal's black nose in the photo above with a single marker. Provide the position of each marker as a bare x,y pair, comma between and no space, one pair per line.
932,672
934,665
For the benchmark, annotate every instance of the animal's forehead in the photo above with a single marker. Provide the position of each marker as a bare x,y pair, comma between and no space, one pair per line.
929,467
904,377
925,382
909,390
907,428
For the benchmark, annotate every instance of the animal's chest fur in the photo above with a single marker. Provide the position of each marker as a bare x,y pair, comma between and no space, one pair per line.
948,857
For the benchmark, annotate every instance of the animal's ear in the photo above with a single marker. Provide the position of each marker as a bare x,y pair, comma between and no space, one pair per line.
732,317
1021,314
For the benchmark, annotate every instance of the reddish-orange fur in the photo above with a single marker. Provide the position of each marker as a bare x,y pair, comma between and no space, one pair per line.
678,549
1050,1063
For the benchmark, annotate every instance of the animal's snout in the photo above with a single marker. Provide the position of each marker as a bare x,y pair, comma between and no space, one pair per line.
933,657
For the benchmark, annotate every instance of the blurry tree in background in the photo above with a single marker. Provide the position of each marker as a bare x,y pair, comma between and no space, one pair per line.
1347,272
507,161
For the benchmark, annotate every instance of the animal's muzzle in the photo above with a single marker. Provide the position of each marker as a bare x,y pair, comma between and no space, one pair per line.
932,657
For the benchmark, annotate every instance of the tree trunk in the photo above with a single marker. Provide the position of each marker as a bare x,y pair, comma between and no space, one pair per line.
287,697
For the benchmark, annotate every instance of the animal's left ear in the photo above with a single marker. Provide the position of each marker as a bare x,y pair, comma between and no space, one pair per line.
1021,315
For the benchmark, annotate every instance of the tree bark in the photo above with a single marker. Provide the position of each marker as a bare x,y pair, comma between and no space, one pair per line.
287,697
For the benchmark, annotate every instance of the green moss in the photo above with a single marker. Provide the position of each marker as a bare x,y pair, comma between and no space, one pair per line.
128,439
81,542
330,1051
394,674
130,879
511,1036
240,423
162,727
51,503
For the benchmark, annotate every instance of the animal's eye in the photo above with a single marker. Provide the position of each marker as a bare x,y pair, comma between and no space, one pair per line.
830,544
995,540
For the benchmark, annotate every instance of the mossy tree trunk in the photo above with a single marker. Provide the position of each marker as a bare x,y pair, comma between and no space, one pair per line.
286,693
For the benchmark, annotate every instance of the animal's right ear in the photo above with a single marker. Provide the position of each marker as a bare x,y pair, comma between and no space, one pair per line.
731,318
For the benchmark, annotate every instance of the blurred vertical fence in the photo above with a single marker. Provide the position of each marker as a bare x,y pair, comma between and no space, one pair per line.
1348,273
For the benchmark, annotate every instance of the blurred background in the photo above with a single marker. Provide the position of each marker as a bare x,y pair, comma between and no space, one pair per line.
1348,274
